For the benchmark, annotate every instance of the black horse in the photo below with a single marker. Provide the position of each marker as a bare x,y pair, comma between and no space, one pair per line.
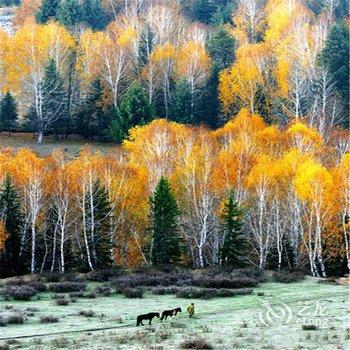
148,316
170,313
177,310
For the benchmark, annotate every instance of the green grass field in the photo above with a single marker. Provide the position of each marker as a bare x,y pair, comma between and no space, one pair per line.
241,322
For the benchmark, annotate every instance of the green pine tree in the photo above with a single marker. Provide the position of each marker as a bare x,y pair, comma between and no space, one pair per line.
30,122
11,215
180,106
202,10
221,48
210,103
335,57
146,46
223,13
165,235
8,113
234,246
91,117
135,109
94,15
69,12
47,11
100,240
54,100
8,3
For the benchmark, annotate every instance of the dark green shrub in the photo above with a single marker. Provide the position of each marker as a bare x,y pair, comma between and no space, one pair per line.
256,274
103,290
18,292
58,296
3,321
67,287
62,302
87,313
32,309
15,282
76,295
198,344
73,277
17,318
210,293
91,295
134,280
52,277
224,282
38,286
49,319
103,275
287,277
164,290
133,292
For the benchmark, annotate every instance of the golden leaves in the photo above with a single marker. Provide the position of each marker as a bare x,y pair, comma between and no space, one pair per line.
4,40
304,137
126,36
245,77
313,182
193,62
31,48
163,52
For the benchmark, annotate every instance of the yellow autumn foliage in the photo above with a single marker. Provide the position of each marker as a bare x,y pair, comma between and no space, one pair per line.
313,182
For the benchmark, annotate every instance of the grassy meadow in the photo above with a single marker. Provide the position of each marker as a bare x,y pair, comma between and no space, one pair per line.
239,322
71,146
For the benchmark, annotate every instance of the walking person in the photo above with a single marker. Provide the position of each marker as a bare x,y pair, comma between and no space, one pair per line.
190,310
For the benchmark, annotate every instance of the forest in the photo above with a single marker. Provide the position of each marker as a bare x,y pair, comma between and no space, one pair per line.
230,123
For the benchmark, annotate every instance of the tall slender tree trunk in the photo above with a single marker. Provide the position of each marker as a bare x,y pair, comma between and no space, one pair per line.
192,100
295,243
40,137
45,255
318,244
87,247
62,249
261,240
346,240
200,255
54,249
32,264
92,219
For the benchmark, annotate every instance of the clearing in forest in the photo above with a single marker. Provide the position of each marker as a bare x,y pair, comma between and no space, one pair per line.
301,315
